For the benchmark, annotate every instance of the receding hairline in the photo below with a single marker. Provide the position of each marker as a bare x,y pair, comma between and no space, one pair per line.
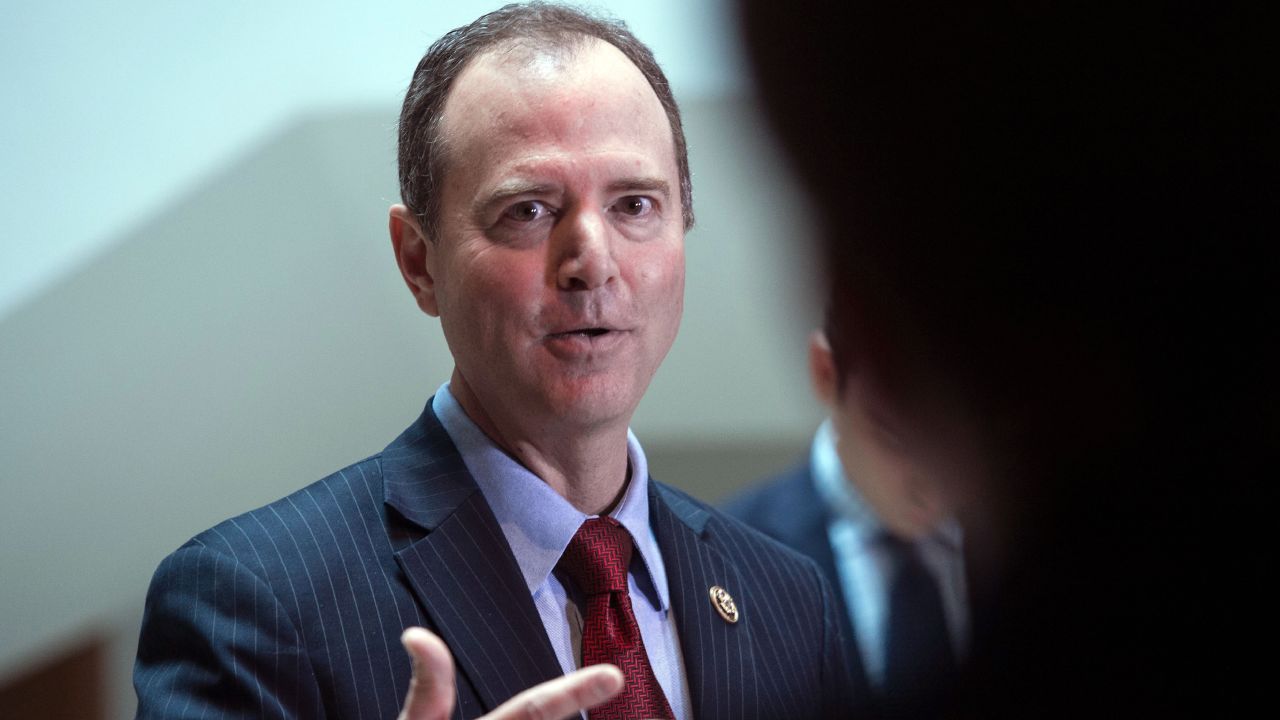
522,52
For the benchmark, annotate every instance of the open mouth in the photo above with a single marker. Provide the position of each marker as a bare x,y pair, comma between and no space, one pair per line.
583,343
584,332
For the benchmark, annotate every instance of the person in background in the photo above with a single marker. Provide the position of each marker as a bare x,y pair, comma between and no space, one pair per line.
861,508
1051,232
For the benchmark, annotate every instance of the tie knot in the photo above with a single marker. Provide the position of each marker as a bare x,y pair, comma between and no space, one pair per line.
598,556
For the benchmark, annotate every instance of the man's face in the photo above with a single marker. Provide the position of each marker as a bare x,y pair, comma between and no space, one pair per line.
898,483
558,269
908,501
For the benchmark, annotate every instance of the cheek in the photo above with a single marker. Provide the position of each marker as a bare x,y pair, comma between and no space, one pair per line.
661,276
495,283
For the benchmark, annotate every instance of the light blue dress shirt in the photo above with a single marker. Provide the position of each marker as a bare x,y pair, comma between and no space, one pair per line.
865,567
538,524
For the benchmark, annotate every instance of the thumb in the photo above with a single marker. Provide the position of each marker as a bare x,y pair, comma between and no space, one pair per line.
431,690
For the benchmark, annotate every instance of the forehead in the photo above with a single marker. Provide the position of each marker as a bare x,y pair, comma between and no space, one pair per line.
517,100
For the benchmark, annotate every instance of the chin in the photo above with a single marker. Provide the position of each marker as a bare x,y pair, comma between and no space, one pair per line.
592,402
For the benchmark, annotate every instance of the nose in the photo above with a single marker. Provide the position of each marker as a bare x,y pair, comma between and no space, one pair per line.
584,252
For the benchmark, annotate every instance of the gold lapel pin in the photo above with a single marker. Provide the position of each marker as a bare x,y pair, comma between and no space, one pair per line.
723,602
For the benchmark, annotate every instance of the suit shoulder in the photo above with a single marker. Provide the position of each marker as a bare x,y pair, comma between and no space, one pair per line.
735,536
302,520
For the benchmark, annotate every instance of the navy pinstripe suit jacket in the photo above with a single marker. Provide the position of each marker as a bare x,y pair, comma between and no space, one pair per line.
294,610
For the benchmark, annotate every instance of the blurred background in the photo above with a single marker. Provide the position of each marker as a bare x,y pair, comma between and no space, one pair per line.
200,311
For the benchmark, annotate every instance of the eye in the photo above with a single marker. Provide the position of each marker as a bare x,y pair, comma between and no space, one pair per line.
527,211
634,205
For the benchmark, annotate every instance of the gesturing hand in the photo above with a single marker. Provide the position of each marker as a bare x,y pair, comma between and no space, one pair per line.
432,692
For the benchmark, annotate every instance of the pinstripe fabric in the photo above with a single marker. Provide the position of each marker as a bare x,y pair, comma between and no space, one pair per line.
294,610
784,657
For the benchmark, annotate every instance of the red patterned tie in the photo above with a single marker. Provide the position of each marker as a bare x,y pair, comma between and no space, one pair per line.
597,559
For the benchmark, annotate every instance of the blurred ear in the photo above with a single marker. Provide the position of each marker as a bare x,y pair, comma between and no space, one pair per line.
822,369
415,255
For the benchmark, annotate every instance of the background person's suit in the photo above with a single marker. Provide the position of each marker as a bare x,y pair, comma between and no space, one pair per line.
788,509
295,609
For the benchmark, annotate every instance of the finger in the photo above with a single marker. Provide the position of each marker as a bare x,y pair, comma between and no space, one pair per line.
562,697
431,690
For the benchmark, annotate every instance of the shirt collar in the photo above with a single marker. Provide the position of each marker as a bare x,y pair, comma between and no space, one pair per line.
844,501
537,522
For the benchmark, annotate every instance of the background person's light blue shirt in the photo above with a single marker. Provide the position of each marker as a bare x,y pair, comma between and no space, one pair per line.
865,566
538,524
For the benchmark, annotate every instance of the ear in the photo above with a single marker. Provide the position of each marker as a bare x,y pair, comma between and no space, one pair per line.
822,369
416,256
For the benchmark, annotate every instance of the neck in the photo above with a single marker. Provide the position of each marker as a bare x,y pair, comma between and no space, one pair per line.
586,466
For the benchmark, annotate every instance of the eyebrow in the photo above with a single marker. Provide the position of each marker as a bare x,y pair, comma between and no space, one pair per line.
515,188
641,184
507,190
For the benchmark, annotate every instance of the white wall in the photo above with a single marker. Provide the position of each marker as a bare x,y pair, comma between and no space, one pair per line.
109,110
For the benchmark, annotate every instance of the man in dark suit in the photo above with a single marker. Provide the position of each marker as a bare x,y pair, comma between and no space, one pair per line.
881,532
546,196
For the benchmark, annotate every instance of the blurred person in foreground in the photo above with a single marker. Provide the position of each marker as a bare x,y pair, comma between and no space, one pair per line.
546,196
1051,228
880,530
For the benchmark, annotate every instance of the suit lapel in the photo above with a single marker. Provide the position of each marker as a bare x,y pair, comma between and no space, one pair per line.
717,657
462,570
